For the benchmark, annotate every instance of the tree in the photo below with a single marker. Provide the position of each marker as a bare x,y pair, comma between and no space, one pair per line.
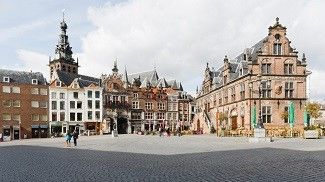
312,109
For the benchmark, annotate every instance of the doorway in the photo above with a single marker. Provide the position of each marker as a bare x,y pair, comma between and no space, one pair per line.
122,125
16,134
233,122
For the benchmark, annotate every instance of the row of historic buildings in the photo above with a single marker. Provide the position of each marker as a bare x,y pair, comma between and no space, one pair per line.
255,88
33,107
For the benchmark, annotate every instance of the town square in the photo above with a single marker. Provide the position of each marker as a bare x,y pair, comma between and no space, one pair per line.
141,90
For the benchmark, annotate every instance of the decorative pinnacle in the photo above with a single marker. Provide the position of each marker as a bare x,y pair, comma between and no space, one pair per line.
277,20
303,57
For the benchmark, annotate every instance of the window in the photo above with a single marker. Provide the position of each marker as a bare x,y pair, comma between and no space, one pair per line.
170,106
288,89
43,104
175,107
62,95
58,83
43,117
6,79
135,95
75,95
90,94
97,94
6,89
54,107
136,115
266,68
122,99
288,69
34,91
90,115
277,49
35,117
6,103
90,104
185,117
79,105
149,96
225,79
15,90
72,104
266,89
169,116
160,116
16,103
97,104
34,81
97,115
148,115
174,116
53,95
266,114
16,117
135,105
6,117
226,97
54,116
79,116
233,94
43,91
242,91
161,106
286,120
115,99
62,116
62,105
148,105
72,116
220,101
35,104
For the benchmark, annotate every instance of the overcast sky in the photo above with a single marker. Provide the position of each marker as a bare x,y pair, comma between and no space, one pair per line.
176,37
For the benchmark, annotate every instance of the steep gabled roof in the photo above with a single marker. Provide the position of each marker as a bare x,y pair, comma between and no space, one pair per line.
83,81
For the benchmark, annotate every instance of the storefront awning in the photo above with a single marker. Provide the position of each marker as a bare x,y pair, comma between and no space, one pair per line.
43,126
6,126
35,126
56,124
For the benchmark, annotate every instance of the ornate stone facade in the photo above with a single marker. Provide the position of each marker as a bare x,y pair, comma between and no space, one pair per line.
264,78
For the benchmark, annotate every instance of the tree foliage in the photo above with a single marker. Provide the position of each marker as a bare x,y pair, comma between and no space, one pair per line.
313,108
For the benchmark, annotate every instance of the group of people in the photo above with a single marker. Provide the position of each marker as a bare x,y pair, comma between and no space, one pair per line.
167,130
69,136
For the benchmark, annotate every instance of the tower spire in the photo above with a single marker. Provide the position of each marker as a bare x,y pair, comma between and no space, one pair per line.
63,49
115,70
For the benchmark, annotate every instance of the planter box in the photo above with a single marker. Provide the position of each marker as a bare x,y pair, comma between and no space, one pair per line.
311,134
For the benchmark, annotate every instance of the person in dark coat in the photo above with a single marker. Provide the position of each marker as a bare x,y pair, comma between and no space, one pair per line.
75,137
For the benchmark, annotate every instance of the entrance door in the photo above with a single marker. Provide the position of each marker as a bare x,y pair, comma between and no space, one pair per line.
16,134
122,125
234,122
35,133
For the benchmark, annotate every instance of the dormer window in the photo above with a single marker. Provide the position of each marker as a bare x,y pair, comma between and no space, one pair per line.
34,81
58,83
6,79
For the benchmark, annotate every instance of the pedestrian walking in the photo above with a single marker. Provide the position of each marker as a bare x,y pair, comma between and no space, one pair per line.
75,137
160,131
68,139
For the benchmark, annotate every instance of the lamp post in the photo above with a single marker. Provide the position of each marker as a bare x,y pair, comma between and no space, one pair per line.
250,85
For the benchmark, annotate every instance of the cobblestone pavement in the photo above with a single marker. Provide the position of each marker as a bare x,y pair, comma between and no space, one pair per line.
151,158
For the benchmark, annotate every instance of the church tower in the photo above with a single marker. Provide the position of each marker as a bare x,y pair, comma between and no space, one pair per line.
63,60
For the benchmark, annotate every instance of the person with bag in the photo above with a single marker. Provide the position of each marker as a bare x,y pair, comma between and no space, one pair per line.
75,137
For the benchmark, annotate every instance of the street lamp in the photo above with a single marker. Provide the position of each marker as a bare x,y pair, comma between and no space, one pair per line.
19,130
250,85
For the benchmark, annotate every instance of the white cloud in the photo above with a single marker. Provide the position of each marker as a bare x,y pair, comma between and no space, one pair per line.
33,61
181,36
